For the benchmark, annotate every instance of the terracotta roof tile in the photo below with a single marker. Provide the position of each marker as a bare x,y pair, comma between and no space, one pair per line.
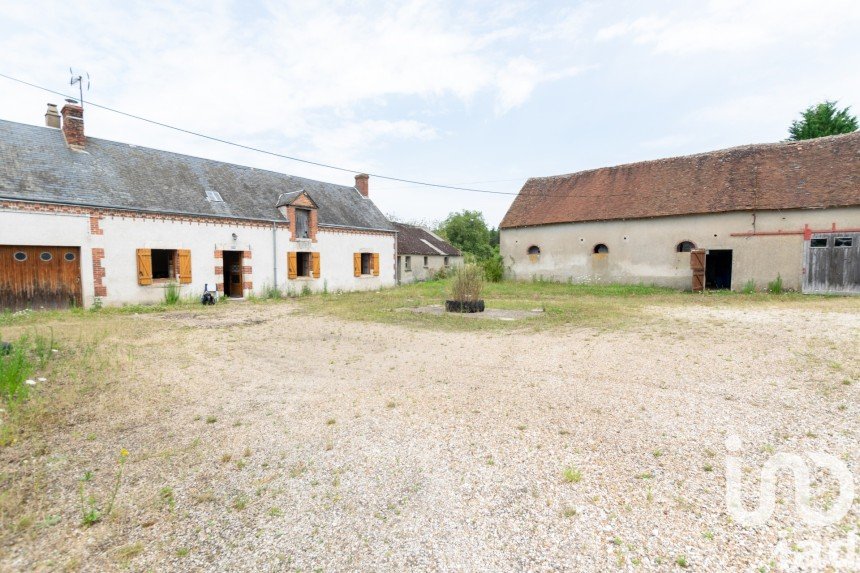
811,174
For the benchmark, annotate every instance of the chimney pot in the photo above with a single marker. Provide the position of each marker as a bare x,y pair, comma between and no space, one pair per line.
361,183
73,124
52,116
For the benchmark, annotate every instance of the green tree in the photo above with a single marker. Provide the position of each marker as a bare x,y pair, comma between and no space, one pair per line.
468,231
821,120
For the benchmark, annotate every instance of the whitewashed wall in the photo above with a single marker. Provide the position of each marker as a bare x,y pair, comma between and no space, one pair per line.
122,236
643,250
419,272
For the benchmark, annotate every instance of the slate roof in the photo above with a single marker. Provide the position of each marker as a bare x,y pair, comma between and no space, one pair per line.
412,240
810,174
37,165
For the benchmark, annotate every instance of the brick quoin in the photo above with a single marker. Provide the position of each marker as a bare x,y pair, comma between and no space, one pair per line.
246,254
219,254
219,270
246,269
219,287
249,285
95,229
99,273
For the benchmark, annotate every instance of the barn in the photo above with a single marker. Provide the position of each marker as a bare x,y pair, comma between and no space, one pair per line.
86,220
731,219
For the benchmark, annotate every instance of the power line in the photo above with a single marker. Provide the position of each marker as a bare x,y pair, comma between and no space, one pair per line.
257,149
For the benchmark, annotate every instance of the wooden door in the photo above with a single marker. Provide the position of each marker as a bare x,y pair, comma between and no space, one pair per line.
832,263
39,277
697,264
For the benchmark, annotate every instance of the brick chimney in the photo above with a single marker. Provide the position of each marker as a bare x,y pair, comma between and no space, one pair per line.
52,116
361,183
73,124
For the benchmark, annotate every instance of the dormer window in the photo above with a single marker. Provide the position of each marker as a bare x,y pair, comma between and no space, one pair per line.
214,197
303,217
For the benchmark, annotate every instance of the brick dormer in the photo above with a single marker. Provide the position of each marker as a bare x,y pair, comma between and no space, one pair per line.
301,212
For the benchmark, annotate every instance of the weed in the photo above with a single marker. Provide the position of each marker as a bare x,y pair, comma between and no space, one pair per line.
211,419
657,453
468,283
240,502
182,551
568,511
165,494
709,535
128,552
708,467
391,404
306,290
225,458
775,286
749,287
15,368
330,422
571,475
298,469
275,512
172,294
91,511
681,561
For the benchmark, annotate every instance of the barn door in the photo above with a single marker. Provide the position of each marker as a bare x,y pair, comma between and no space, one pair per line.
697,264
832,263
39,277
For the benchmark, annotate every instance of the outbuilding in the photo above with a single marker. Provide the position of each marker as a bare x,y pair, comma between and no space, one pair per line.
731,219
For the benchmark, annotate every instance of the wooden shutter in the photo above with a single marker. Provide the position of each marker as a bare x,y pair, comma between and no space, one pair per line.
356,264
316,264
144,266
184,256
697,263
292,265
376,264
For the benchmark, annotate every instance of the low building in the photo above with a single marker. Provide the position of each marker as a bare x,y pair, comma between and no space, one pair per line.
85,219
422,254
734,218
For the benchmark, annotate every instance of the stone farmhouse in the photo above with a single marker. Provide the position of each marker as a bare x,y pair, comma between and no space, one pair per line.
422,254
726,219
85,219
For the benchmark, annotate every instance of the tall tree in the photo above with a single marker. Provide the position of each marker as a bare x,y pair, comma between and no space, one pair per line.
821,120
468,231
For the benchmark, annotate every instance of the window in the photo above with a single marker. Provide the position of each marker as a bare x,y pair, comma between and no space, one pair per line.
302,223
685,246
446,262
20,256
46,257
163,264
425,262
843,242
214,196
365,264
408,263
70,257
534,250
303,264
818,243
600,249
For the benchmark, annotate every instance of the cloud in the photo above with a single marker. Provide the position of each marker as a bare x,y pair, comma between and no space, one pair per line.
736,25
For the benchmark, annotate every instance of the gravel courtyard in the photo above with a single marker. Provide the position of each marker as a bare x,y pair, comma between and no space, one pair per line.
264,437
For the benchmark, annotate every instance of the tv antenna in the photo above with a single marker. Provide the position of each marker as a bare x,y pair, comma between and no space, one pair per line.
79,79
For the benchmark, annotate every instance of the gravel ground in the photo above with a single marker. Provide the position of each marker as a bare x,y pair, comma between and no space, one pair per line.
265,439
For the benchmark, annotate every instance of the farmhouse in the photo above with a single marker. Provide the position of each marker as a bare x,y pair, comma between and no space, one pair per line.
85,219
422,254
726,219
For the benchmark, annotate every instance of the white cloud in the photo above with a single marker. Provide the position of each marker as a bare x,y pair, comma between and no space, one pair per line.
737,25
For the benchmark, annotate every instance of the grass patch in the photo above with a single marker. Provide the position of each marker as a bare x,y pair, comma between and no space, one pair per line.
172,295
571,475
604,306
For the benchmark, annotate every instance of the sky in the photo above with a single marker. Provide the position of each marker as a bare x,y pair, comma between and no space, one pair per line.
480,94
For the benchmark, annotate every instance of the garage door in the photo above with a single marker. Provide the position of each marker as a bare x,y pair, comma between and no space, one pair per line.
39,277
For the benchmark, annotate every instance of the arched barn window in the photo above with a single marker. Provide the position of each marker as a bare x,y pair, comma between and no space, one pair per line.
685,246
600,249
534,253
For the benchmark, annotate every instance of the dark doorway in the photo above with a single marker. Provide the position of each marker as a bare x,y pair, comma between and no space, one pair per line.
718,269
233,274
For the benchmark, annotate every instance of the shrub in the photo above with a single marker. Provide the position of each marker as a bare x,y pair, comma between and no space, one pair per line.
494,268
468,283
749,287
171,293
775,286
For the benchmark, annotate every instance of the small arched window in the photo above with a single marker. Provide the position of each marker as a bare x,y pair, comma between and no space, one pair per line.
600,249
685,246
534,250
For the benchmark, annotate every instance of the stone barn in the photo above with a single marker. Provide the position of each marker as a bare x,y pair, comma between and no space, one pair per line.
727,219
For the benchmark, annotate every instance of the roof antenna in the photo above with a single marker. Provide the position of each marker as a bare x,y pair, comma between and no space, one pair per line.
79,79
